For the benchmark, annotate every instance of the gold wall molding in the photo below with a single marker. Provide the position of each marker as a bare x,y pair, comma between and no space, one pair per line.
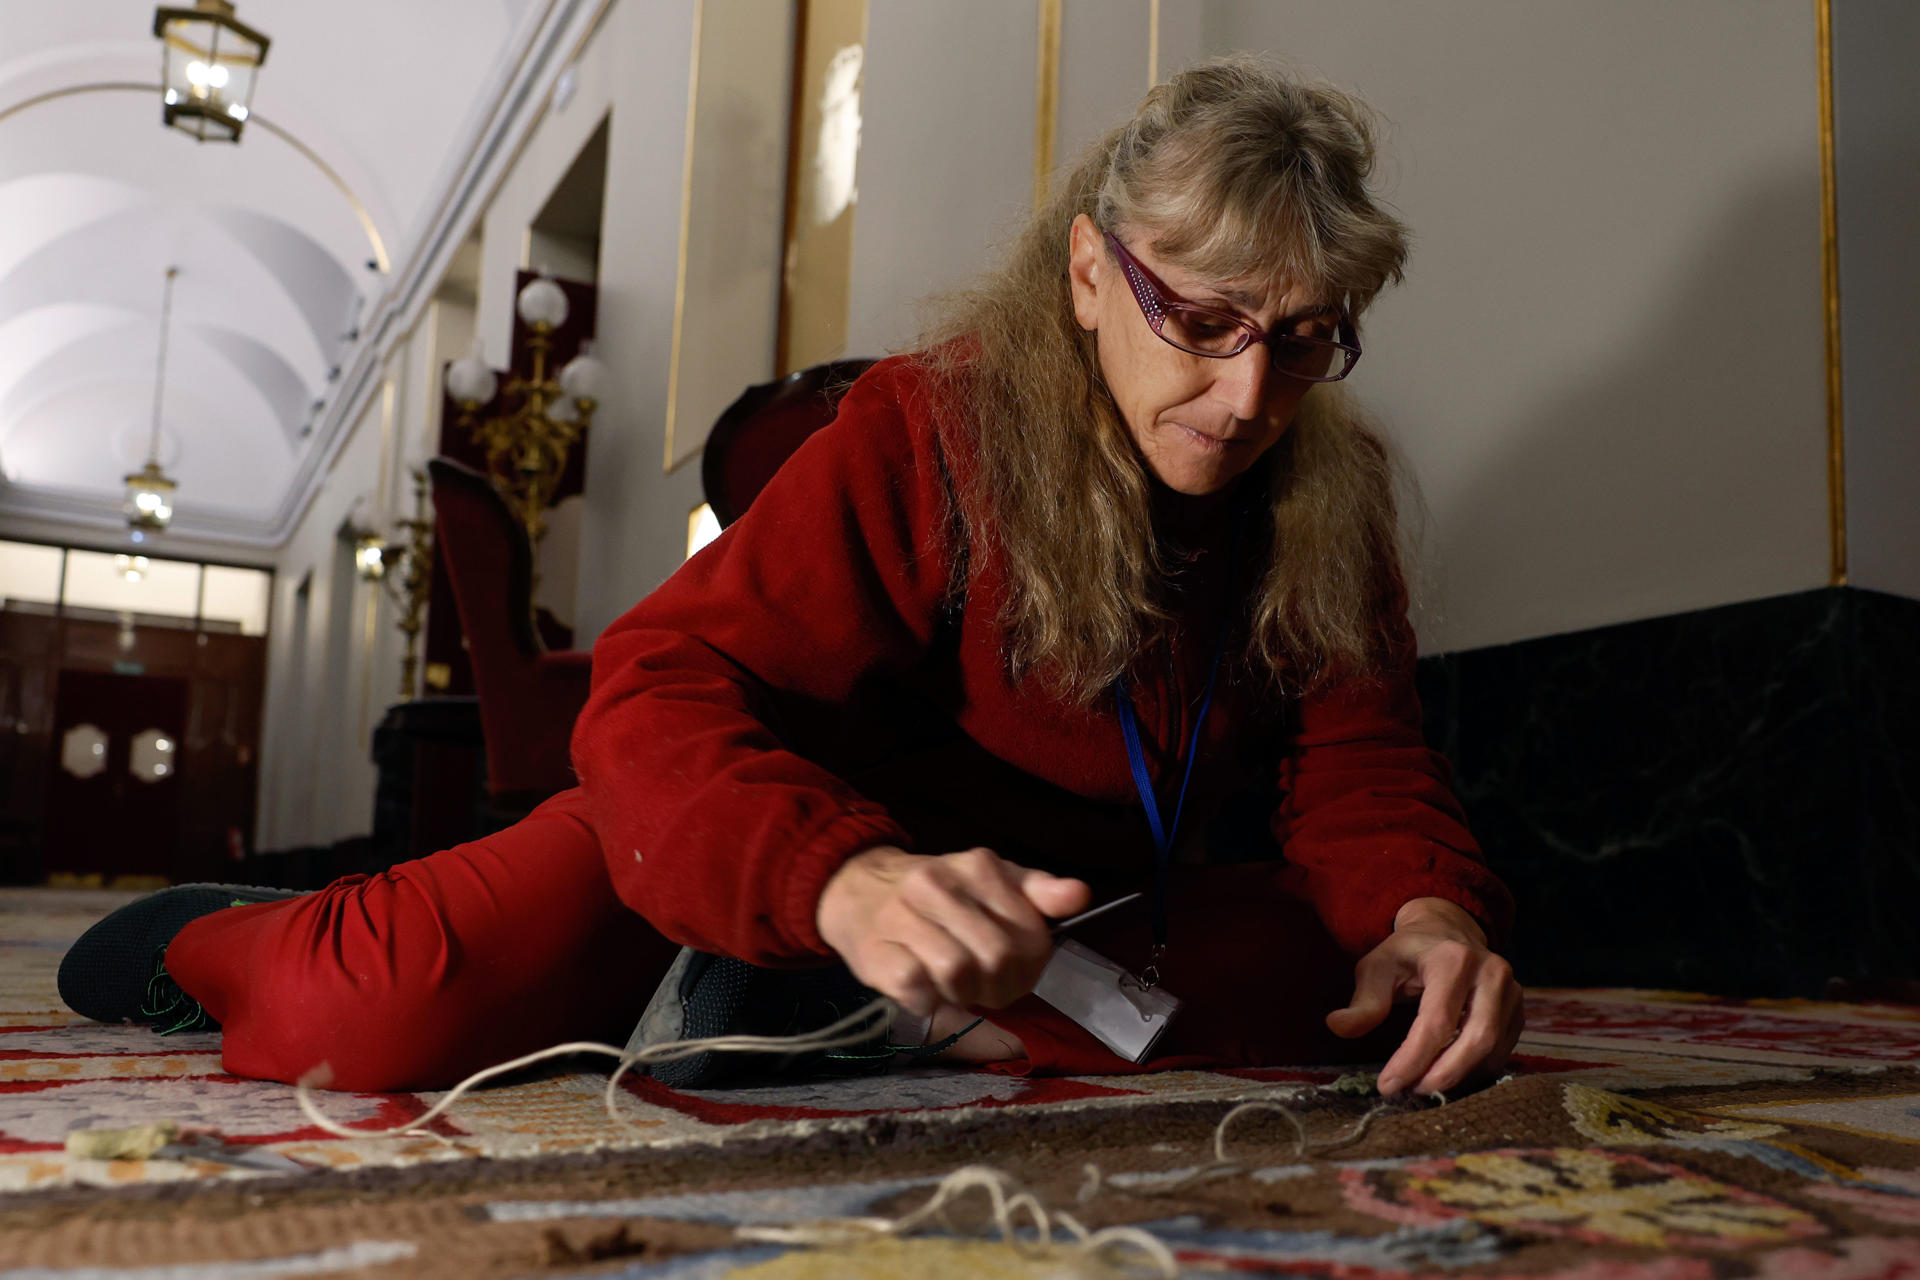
378,245
1153,43
1046,98
374,242
1830,298
816,275
686,233
733,206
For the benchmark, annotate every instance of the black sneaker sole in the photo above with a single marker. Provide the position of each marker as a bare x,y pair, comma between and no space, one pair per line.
104,975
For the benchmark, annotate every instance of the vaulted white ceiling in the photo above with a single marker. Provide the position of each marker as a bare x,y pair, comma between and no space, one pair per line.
280,240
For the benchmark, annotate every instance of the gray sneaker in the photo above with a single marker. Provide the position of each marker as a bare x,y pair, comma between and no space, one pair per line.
705,995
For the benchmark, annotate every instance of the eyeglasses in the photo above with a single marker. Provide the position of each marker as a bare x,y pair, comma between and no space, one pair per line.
1203,331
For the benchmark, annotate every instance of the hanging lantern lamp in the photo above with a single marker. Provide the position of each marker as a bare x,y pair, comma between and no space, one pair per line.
149,499
209,60
149,506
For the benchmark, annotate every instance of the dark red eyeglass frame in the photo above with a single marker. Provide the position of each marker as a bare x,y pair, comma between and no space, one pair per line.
1156,300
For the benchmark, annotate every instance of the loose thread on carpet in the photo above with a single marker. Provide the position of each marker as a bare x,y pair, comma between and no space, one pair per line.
1007,1198
1224,1166
1008,1201
852,1029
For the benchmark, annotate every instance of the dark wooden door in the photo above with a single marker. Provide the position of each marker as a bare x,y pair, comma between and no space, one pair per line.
113,800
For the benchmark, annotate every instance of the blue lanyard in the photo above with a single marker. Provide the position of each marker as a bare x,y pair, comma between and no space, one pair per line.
1163,836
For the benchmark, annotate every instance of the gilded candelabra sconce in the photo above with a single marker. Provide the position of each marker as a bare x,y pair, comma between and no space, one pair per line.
404,570
527,445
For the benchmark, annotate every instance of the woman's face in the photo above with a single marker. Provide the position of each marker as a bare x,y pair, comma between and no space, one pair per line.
1198,422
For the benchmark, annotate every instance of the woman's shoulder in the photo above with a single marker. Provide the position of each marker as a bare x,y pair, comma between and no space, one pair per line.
924,384
905,405
888,448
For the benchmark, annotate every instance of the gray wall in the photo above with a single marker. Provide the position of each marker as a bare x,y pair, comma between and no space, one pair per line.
1876,52
946,155
947,135
1606,368
1606,364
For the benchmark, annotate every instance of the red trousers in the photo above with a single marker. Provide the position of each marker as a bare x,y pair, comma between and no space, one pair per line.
424,974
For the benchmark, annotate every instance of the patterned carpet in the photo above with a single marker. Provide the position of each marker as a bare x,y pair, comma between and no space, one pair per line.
1643,1134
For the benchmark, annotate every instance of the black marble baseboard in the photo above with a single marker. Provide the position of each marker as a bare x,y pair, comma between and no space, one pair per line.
1726,800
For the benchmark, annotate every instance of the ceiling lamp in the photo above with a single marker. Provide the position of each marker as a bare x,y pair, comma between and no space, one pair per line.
208,63
149,504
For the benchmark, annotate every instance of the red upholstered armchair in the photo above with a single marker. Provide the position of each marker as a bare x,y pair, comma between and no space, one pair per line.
529,698
761,429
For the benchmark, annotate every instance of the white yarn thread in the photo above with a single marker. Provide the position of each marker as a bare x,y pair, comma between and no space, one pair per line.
850,1030
1006,1196
1008,1201
1224,1166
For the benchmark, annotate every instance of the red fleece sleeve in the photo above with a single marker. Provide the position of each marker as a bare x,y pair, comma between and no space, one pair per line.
1368,820
713,829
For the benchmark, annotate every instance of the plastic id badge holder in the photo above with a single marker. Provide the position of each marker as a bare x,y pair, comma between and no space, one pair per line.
1105,999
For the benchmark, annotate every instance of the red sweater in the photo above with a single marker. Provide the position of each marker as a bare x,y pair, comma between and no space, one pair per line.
806,687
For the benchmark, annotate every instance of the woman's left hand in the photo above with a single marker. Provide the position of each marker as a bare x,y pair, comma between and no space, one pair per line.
1471,1009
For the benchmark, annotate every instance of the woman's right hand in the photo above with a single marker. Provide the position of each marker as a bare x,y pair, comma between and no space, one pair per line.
967,929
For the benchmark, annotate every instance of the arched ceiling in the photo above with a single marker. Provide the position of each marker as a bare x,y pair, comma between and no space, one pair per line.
276,240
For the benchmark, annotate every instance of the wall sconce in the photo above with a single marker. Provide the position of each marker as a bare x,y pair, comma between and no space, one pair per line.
369,557
209,61
404,570
527,448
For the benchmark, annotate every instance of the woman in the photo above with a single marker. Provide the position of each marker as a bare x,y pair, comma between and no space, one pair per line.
1105,550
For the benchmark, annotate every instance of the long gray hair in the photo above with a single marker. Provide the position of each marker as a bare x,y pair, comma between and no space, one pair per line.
1238,172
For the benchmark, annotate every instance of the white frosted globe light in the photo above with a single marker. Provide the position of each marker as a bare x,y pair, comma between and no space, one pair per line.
563,411
470,380
543,303
584,378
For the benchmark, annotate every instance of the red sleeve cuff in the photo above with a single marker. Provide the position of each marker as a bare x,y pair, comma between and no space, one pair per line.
1365,919
819,856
